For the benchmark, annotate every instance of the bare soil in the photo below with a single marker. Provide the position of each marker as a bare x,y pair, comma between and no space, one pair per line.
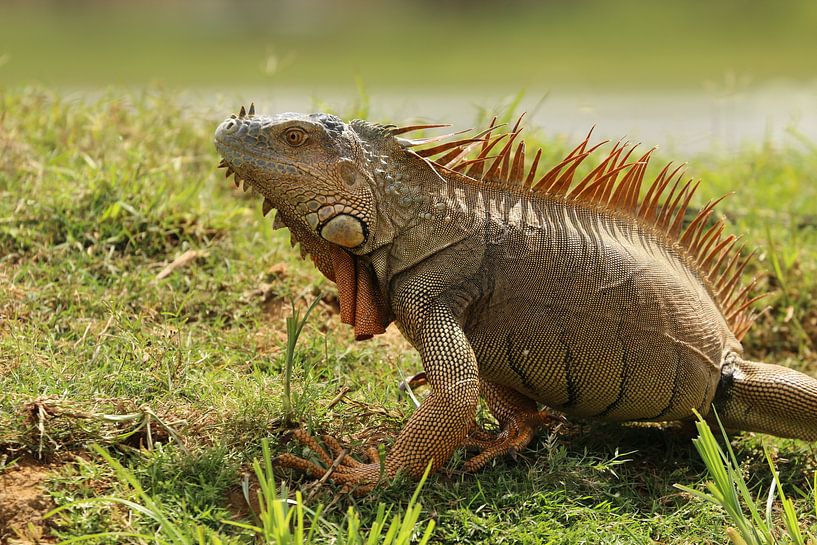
23,502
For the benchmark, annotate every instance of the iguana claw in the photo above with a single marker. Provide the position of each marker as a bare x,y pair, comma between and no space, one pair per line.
354,476
515,435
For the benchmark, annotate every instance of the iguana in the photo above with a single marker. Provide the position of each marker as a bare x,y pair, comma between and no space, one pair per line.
593,297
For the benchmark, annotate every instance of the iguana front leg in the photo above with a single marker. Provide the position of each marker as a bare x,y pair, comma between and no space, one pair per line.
516,413
441,423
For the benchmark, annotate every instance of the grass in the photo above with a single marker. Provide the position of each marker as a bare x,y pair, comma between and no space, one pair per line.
729,490
282,521
144,306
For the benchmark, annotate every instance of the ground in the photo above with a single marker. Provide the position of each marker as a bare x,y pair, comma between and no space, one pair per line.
143,302
23,500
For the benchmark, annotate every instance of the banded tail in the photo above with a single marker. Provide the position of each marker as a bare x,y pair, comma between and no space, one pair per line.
767,398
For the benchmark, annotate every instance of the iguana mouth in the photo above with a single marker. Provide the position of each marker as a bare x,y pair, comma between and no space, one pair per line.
338,223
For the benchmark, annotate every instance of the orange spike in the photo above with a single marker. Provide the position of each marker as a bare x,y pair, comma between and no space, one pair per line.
515,176
428,152
597,191
700,219
746,305
629,182
485,134
518,122
583,145
494,169
721,244
730,284
713,234
566,179
533,167
637,181
740,333
410,128
476,138
668,206
621,196
682,210
491,127
699,236
476,169
635,192
716,269
505,169
629,152
621,187
596,172
432,139
692,236
453,155
741,295
452,158
645,203
552,174
471,163
611,184
560,185
652,212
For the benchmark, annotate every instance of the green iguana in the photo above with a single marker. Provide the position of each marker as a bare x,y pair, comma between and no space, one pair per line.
592,297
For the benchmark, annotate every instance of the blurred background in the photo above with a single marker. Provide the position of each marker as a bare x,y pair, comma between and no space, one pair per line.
694,75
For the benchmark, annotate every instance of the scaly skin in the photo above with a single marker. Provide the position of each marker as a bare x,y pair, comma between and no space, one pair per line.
590,301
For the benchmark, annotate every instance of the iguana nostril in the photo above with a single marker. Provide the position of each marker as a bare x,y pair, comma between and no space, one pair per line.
228,127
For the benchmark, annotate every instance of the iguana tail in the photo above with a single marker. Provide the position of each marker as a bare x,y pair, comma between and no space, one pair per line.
754,396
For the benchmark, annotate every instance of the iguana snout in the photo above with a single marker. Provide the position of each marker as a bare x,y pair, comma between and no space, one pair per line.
305,166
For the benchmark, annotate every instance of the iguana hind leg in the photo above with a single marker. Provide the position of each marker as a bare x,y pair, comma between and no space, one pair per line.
754,396
519,418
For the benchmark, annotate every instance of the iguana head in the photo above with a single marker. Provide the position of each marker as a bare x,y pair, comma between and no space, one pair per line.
316,171
309,167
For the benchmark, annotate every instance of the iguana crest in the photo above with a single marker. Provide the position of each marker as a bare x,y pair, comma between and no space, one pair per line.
616,184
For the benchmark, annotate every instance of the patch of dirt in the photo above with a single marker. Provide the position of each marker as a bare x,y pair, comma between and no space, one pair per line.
237,503
23,502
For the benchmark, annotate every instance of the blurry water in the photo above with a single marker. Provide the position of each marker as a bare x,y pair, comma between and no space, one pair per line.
684,123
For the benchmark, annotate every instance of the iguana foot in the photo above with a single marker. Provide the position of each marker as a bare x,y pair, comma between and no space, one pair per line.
516,433
352,475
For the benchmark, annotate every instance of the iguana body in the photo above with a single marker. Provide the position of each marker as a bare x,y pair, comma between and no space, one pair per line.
585,296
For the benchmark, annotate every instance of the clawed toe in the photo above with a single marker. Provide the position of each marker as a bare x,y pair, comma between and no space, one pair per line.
353,475
515,435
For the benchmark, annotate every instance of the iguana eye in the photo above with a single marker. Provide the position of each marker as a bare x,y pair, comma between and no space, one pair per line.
295,137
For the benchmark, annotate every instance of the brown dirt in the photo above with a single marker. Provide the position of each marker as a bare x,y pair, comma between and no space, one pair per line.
23,502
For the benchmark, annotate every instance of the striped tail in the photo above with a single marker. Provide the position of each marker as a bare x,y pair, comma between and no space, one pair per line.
762,397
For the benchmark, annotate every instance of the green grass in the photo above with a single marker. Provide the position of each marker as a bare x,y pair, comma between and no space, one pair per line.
181,379
729,490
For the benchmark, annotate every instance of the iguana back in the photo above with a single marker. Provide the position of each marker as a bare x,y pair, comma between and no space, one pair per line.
594,296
